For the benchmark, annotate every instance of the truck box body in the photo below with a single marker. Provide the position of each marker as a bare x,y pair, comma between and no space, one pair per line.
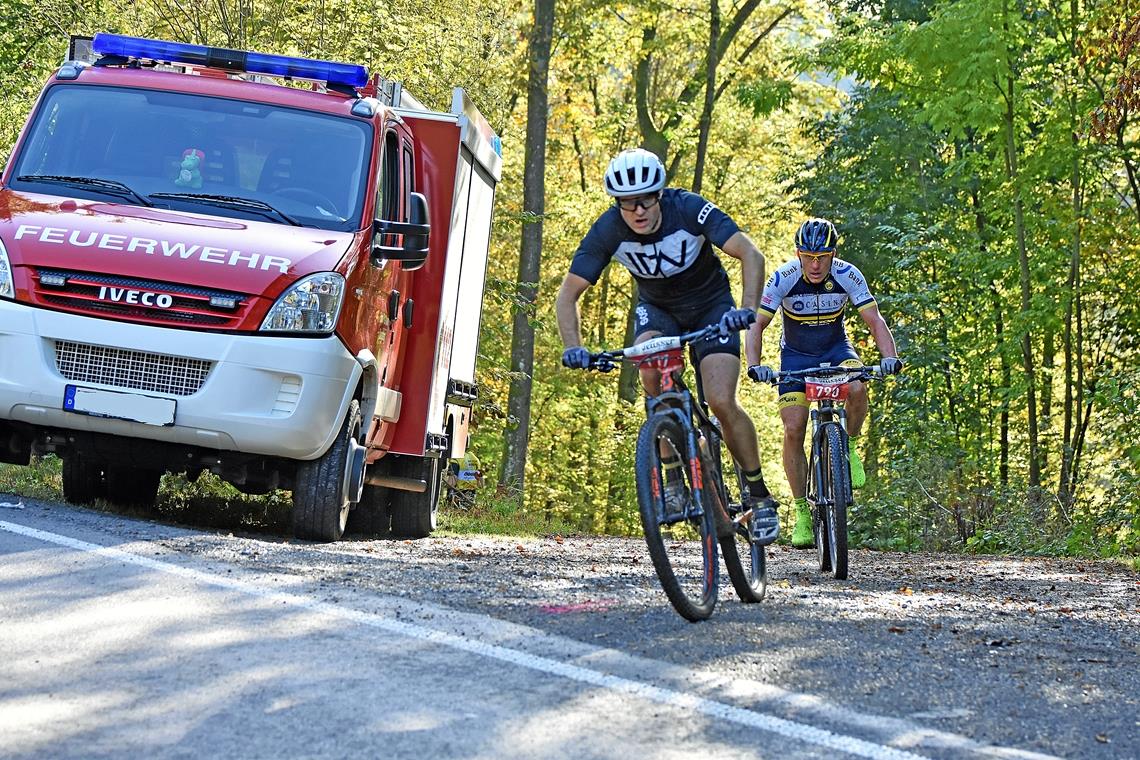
208,272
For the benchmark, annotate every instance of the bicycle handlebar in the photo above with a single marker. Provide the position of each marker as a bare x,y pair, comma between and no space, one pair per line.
608,360
860,372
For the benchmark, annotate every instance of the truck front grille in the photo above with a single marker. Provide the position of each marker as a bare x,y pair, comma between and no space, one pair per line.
138,300
137,370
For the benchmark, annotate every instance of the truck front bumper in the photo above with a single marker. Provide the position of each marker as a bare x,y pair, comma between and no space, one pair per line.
273,396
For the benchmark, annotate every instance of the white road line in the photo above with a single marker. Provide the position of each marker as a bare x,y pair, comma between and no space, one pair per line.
718,710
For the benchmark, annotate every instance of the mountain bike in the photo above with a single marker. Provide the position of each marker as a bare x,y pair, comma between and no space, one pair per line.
454,497
682,491
828,489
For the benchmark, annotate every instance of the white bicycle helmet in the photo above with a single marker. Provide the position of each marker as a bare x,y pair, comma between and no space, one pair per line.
634,172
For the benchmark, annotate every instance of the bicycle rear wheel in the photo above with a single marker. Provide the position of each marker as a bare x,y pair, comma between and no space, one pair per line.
680,536
745,560
817,490
839,480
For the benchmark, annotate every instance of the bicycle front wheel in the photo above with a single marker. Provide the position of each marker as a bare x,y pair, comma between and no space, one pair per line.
745,560
839,481
680,535
817,496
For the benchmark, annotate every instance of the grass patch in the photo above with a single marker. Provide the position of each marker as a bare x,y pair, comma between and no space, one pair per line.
498,515
42,479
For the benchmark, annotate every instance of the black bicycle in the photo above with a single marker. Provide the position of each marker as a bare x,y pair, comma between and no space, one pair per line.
829,467
682,492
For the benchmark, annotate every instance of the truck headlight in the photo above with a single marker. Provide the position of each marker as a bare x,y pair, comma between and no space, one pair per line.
7,287
310,305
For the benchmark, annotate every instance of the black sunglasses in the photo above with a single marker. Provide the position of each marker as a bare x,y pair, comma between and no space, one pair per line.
646,202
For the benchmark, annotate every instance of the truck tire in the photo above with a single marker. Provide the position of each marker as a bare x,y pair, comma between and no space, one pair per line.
371,516
414,514
131,486
82,479
320,501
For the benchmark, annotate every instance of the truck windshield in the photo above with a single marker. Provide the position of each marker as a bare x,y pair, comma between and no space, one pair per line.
179,151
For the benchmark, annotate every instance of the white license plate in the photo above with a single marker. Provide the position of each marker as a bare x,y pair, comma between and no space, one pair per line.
134,407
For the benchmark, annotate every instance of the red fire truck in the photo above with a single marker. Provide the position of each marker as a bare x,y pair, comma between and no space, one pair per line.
207,267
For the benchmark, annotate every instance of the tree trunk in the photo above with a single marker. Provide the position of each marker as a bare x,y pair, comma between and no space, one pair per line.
516,438
705,123
1023,266
1003,424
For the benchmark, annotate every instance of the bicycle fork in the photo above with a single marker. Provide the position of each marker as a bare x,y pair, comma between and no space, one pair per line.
835,415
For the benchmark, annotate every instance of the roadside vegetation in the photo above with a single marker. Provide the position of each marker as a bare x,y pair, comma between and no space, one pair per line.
210,503
981,159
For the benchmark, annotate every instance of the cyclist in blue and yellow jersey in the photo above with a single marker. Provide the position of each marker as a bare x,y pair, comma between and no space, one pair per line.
813,290
665,238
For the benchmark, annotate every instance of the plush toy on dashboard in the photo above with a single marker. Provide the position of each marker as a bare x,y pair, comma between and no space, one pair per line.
189,171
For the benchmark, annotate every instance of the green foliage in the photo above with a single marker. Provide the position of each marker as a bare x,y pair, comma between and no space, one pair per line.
765,97
962,114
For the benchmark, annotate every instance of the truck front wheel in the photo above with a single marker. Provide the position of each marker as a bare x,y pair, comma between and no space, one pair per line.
413,514
82,479
320,496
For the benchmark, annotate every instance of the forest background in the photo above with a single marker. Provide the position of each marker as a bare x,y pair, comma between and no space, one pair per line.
978,156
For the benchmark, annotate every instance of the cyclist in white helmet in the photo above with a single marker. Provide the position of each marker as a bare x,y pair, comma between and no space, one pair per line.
665,238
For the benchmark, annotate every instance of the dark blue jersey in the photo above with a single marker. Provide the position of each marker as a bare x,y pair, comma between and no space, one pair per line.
675,267
813,314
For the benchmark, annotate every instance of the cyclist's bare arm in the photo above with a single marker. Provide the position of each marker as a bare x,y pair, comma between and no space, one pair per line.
763,319
741,247
566,309
884,340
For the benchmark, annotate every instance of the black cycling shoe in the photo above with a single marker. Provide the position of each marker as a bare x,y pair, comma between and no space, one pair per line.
765,523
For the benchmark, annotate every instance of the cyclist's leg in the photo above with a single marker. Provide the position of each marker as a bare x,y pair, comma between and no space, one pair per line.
856,407
793,407
794,415
718,362
856,413
650,321
720,373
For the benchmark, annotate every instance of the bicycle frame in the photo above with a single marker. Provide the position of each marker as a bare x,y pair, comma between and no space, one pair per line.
665,354
676,400
826,413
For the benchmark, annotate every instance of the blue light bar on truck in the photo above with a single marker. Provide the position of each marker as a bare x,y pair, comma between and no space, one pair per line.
343,74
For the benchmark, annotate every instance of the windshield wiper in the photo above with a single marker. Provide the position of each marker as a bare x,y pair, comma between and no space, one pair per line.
109,186
230,201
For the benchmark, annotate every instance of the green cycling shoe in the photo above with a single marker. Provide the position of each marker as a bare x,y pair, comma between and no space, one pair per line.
802,535
858,476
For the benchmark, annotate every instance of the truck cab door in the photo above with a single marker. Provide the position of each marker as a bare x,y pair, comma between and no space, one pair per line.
394,311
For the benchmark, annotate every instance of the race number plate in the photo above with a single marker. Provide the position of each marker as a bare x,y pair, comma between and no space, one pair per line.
133,407
816,391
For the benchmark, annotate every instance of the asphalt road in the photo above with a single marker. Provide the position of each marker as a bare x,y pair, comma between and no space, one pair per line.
129,638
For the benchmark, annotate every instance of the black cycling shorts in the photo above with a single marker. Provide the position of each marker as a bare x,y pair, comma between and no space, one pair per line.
650,318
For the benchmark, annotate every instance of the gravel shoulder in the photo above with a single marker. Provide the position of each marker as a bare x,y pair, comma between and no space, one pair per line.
1038,654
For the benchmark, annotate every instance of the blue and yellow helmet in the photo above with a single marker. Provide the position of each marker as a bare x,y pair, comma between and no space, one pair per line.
817,236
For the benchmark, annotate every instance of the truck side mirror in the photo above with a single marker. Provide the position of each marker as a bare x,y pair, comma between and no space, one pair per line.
414,250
